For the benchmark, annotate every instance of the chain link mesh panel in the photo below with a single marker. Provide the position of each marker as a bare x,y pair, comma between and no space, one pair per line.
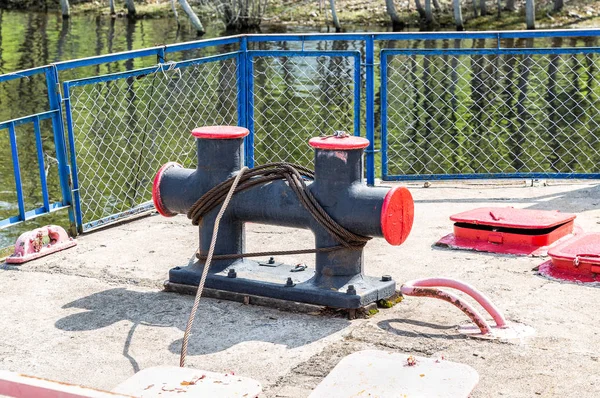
126,129
484,113
296,98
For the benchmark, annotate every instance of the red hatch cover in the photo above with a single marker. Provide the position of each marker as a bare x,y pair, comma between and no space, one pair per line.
576,260
508,230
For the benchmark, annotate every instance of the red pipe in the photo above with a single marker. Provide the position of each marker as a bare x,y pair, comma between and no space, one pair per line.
427,288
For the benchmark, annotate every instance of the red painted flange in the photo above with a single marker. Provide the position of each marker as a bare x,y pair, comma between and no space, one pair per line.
345,143
220,132
160,208
576,260
397,215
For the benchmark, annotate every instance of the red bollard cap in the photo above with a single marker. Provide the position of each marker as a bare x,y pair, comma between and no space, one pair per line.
158,204
397,215
344,143
220,132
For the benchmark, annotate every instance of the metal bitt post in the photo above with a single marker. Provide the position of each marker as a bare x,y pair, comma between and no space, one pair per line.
337,280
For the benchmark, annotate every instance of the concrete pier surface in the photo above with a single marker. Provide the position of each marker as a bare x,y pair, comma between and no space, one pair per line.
96,314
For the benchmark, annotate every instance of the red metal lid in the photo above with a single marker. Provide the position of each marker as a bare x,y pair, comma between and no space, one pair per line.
584,247
509,217
397,215
339,143
220,132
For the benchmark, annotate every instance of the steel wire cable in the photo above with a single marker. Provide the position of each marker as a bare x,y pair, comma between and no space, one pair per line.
188,327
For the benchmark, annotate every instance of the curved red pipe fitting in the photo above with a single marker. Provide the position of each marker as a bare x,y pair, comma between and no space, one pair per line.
428,288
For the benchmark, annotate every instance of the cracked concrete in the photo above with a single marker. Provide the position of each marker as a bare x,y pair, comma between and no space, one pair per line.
95,314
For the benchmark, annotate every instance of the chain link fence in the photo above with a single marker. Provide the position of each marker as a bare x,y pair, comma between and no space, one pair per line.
475,112
127,127
299,96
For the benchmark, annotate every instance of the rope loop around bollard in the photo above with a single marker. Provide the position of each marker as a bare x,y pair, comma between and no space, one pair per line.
295,176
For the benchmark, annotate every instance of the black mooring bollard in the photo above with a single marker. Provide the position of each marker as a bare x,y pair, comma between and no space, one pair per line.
339,189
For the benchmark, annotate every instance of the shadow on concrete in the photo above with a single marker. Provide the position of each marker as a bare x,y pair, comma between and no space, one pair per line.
388,326
575,201
218,326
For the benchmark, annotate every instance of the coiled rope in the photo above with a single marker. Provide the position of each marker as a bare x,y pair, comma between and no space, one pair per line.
295,175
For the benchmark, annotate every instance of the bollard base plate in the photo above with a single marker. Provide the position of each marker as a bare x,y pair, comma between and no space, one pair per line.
305,287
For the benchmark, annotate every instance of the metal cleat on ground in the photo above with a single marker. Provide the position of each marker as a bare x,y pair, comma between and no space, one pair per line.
339,208
40,242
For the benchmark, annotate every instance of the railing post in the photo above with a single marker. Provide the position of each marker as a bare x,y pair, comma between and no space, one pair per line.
242,95
64,174
249,77
73,155
357,88
370,108
383,72
16,170
160,55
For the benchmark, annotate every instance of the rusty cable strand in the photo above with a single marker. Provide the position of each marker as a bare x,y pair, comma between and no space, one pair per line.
213,242
294,175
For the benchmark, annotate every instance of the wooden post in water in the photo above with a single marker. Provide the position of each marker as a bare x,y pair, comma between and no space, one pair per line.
175,12
530,13
66,10
420,9
558,5
130,9
482,7
428,13
193,17
336,21
391,10
458,15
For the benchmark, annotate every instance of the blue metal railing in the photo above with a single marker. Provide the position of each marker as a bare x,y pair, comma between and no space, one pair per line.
405,153
54,114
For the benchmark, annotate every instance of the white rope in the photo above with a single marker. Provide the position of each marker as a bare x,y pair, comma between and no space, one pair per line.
188,328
